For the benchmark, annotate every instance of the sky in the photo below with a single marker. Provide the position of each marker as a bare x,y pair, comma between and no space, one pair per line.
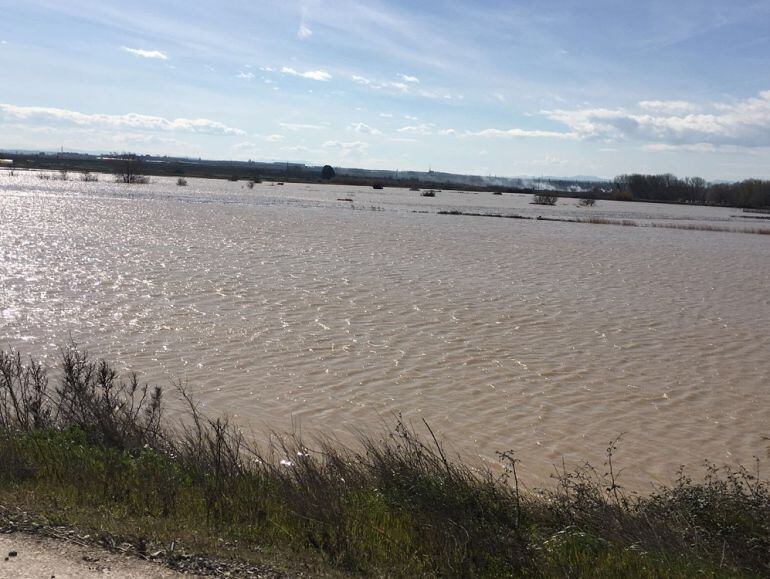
487,87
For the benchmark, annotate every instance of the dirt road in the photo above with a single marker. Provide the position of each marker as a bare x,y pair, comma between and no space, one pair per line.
27,556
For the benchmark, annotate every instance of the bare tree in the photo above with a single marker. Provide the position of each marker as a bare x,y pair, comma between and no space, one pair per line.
127,169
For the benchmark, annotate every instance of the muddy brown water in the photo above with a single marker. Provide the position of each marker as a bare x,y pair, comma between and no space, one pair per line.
289,309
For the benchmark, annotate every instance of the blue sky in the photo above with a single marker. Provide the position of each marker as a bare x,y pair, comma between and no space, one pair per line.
564,87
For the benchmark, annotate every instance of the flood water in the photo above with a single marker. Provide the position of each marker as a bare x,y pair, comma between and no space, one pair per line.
289,308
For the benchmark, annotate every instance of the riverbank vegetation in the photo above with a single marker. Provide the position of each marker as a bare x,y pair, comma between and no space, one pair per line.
81,445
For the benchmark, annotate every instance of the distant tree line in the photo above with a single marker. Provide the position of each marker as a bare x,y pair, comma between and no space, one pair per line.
671,189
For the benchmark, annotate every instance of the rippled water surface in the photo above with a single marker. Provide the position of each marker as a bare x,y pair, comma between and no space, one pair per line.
288,307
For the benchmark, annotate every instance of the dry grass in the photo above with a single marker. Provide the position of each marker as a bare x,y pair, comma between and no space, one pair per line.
91,449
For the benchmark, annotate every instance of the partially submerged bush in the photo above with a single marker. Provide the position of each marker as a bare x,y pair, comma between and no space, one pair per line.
544,198
127,169
89,396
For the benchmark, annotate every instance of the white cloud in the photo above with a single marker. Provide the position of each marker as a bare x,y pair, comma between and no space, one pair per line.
352,149
742,123
274,138
447,132
386,115
301,126
320,75
364,128
245,146
304,32
519,133
127,121
245,75
406,85
156,54
699,148
432,94
547,161
422,129
670,107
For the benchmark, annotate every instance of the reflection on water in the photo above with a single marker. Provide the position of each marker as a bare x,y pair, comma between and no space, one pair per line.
287,307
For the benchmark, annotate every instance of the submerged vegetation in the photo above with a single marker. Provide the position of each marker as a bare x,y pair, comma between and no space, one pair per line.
545,198
88,448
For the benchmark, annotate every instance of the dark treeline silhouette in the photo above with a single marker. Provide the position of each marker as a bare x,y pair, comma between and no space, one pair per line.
665,188
671,189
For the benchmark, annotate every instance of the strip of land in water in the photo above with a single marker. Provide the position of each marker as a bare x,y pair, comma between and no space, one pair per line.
624,222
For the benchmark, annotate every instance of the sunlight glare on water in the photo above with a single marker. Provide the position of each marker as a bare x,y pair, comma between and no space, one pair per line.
287,307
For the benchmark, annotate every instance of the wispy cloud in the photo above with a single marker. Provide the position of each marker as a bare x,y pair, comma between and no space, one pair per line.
405,85
301,126
245,75
671,107
699,148
519,133
320,75
127,121
304,32
156,54
547,161
422,129
347,149
296,149
364,128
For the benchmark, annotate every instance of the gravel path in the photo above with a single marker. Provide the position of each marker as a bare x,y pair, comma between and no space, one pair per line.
42,557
